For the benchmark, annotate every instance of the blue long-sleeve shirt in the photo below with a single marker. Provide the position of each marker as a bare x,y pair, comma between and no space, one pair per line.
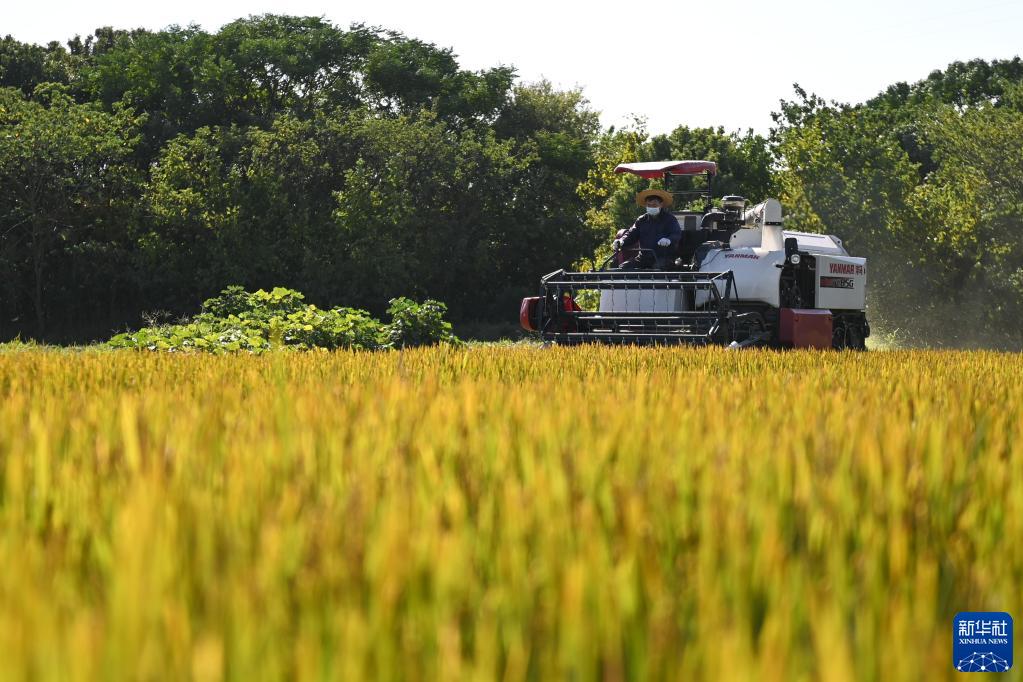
648,230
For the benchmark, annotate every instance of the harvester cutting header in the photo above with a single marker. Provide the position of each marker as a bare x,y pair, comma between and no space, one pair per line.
728,276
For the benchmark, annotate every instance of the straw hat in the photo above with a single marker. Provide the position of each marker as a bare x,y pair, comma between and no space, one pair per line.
666,199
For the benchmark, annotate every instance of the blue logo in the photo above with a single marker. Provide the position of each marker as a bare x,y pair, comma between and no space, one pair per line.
982,641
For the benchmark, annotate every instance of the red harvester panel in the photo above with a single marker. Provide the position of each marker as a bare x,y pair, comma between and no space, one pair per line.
527,313
803,328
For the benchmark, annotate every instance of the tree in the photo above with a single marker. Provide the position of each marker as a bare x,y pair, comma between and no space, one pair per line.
248,73
744,159
356,165
65,180
929,192
960,84
974,205
26,66
274,64
153,73
843,172
426,210
555,130
609,196
193,198
404,75
744,168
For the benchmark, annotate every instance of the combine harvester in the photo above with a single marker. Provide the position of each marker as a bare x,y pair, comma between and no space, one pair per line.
738,279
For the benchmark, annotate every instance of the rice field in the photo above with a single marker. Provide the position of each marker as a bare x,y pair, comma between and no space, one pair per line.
505,513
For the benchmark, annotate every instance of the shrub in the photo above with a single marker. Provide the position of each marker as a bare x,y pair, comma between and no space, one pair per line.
417,324
237,320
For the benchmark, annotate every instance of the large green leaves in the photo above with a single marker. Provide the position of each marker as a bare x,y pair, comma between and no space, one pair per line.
279,319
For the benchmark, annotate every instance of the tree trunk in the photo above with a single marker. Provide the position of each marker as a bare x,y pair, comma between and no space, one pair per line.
38,254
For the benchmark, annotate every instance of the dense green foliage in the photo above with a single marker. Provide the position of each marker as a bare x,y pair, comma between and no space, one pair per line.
416,324
140,171
744,164
926,180
238,320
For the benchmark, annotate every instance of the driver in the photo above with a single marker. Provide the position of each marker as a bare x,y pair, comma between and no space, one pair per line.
657,232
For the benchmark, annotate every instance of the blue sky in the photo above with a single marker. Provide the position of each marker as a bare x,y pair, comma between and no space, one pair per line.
739,58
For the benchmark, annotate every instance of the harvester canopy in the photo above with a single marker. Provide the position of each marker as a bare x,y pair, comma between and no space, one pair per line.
653,170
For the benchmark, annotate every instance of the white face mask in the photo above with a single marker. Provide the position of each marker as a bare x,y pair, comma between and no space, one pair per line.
653,210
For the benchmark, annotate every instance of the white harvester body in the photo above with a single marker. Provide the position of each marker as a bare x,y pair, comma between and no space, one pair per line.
734,277
755,256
